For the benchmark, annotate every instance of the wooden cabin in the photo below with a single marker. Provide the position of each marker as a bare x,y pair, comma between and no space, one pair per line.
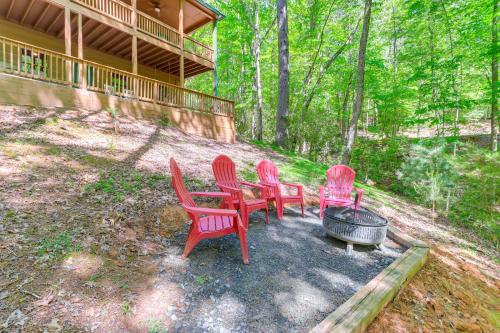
130,54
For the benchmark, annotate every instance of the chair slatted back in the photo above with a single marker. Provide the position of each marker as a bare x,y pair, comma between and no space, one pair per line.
340,181
178,184
225,173
268,172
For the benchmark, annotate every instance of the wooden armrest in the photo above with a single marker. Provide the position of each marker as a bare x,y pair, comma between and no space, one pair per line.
359,196
251,184
268,184
211,194
210,211
358,190
229,188
292,185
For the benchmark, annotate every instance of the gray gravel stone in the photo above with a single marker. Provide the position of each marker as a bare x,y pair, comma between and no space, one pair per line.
296,277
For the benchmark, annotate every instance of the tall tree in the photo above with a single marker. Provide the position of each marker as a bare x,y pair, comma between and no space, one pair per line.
258,80
358,101
284,75
494,77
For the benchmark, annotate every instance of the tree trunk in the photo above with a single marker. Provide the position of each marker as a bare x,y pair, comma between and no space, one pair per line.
494,77
283,79
358,102
394,65
312,66
430,27
323,70
258,82
344,106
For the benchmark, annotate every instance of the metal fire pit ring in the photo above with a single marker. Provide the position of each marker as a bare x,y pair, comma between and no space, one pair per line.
360,226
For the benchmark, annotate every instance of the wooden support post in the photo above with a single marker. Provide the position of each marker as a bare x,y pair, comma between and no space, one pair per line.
181,33
155,92
134,54
81,65
67,42
134,45
214,44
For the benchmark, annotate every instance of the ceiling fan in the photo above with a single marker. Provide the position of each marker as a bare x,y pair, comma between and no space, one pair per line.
156,6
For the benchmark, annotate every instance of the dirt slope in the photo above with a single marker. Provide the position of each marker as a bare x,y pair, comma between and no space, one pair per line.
84,210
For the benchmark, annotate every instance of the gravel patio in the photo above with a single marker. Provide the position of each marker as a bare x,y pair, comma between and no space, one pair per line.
296,277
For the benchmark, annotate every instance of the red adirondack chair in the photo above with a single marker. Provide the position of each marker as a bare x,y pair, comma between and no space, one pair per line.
208,222
339,187
225,177
268,176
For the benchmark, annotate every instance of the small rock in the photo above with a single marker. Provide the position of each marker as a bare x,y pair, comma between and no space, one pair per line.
16,318
4,294
174,317
54,324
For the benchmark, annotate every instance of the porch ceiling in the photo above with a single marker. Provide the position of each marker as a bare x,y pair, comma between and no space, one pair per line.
195,15
38,15
48,18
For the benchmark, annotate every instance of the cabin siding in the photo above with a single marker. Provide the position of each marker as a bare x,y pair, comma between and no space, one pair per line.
25,91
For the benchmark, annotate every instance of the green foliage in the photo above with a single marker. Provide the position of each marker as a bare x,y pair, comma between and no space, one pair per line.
296,168
112,111
9,215
477,205
423,171
200,280
117,186
56,247
126,308
378,160
427,65
164,122
428,171
156,326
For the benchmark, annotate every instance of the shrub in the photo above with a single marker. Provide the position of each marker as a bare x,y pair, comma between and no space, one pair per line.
428,171
378,160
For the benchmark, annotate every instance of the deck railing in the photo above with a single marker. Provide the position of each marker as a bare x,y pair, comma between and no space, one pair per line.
122,12
112,8
157,29
198,48
41,64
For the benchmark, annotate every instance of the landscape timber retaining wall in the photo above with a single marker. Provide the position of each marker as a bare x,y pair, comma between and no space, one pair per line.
24,91
356,314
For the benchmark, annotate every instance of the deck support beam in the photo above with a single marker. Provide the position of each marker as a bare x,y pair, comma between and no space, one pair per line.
82,70
134,36
67,41
214,45
181,33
